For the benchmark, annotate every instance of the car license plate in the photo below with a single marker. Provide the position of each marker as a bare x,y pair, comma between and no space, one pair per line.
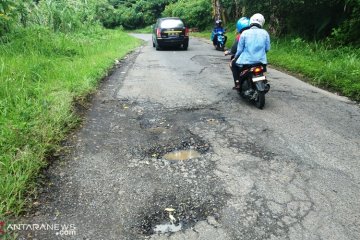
256,79
173,33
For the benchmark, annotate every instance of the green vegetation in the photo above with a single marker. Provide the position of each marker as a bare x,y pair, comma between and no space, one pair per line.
338,20
51,53
310,20
195,13
41,73
147,29
335,69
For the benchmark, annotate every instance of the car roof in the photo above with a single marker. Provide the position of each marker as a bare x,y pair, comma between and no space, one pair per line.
165,18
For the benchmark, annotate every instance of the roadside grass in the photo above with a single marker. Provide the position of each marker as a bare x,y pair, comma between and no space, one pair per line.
205,35
147,29
41,73
334,69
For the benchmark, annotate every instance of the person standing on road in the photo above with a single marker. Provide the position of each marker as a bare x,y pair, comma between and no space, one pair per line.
241,25
253,45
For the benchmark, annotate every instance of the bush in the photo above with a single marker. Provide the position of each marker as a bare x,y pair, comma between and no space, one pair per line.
195,13
129,18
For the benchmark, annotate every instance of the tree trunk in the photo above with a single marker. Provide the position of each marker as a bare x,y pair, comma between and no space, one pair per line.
217,9
237,9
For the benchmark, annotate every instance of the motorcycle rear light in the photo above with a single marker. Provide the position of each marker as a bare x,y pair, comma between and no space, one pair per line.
186,32
257,70
158,32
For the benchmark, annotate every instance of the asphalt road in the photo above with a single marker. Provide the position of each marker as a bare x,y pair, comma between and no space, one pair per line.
289,171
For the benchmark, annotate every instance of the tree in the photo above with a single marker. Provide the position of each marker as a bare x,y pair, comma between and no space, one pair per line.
311,19
196,13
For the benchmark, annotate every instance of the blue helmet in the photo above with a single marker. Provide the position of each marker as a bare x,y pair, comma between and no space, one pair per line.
242,23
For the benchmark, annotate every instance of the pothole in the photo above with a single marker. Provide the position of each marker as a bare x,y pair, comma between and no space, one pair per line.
185,150
167,227
174,225
182,155
184,216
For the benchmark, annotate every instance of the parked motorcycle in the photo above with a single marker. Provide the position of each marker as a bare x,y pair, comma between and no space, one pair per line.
254,85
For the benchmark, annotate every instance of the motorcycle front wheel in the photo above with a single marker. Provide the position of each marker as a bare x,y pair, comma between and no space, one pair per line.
260,100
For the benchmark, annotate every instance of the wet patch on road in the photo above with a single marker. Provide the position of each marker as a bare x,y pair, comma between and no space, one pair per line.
182,155
194,143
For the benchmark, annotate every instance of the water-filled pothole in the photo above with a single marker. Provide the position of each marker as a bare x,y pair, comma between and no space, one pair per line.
167,227
182,155
189,148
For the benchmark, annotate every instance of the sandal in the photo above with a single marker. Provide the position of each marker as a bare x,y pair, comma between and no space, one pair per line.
237,87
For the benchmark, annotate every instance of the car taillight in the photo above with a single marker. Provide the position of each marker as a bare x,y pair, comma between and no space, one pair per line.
186,32
158,32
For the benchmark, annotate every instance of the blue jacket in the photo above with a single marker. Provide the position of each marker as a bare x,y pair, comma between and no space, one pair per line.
215,31
218,29
252,46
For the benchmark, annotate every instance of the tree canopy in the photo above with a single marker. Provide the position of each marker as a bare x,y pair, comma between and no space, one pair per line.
309,19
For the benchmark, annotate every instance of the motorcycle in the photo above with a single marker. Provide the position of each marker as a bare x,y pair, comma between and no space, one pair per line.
219,44
254,85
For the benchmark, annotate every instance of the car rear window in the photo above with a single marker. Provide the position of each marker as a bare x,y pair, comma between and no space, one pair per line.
171,23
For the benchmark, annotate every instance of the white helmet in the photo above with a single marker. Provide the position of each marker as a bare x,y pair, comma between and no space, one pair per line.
257,18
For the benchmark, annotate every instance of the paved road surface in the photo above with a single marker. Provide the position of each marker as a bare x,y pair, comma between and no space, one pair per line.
290,171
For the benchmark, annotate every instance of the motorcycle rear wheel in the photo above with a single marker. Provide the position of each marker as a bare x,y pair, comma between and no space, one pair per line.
260,100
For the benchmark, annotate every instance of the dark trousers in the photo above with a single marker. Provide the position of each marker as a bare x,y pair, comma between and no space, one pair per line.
237,69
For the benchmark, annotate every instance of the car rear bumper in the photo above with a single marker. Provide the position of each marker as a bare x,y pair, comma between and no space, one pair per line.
172,41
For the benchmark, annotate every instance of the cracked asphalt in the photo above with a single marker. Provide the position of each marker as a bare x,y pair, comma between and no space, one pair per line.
290,171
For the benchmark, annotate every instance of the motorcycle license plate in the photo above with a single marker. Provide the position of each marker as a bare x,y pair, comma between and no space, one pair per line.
256,79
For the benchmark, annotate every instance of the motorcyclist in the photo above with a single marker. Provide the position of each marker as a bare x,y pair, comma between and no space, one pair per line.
241,25
218,28
253,45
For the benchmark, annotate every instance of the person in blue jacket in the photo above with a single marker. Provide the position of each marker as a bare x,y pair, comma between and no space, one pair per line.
241,25
218,28
253,45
